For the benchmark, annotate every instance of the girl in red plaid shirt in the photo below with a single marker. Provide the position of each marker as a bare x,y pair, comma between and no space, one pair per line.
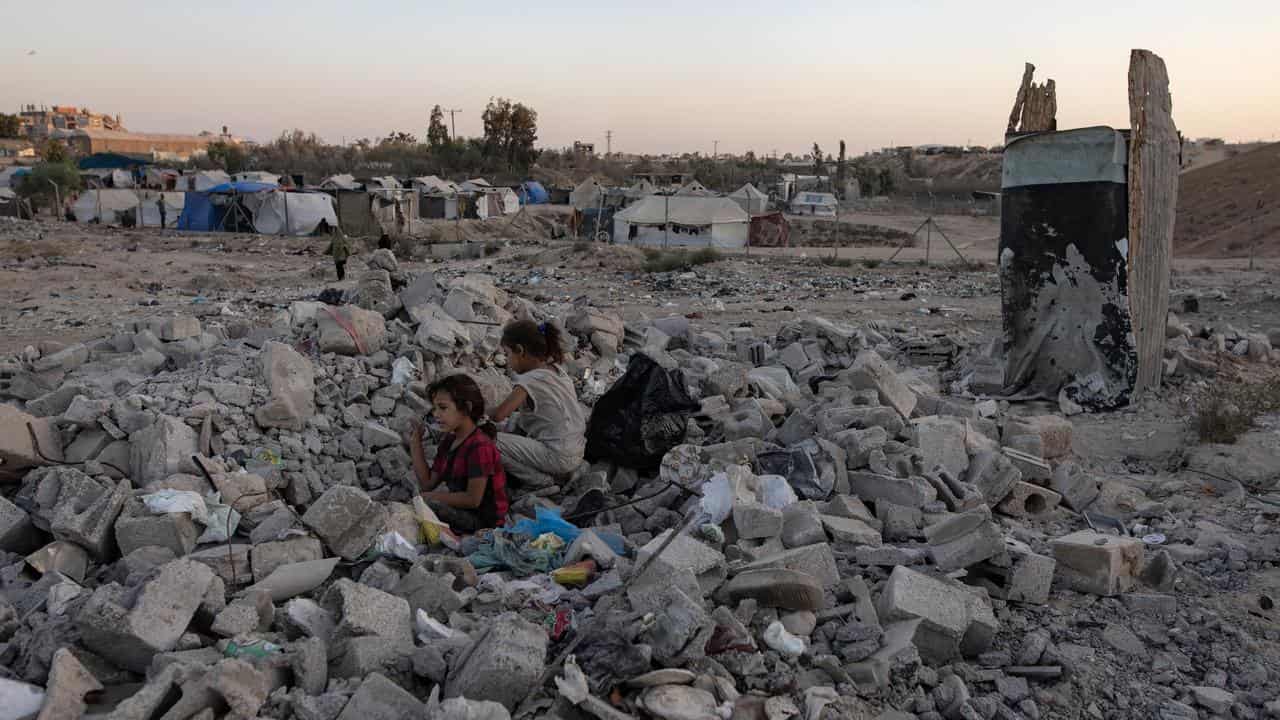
465,486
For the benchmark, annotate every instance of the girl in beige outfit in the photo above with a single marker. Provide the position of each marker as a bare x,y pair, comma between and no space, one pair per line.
550,417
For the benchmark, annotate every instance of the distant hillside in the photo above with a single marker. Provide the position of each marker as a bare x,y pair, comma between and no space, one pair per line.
1218,207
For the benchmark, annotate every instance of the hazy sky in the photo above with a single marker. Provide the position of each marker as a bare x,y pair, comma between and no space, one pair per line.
665,76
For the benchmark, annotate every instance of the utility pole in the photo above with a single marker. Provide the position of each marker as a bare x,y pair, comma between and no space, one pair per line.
453,124
715,153
608,143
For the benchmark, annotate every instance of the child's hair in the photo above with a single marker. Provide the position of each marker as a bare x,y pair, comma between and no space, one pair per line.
466,395
541,340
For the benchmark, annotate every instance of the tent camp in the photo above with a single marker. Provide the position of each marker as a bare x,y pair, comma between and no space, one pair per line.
386,182
107,205
110,161
496,202
256,176
430,184
531,192
813,203
694,222
475,184
587,194
340,182
751,199
369,213
640,188
202,180
694,189
173,203
222,207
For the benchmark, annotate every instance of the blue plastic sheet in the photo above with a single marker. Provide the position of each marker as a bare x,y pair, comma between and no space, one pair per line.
546,520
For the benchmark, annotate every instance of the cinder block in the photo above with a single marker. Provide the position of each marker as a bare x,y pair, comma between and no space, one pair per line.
1093,562
911,492
346,519
816,560
1027,500
943,610
961,540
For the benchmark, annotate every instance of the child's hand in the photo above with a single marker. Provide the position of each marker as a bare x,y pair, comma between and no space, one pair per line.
414,438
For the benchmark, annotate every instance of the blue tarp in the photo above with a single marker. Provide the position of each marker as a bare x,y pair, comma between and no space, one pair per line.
532,193
242,187
199,213
110,161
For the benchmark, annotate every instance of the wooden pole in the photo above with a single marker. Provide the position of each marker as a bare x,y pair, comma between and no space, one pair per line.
1153,197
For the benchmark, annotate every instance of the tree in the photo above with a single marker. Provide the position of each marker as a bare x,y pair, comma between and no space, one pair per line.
10,126
54,152
510,130
437,133
37,185
817,159
840,170
228,156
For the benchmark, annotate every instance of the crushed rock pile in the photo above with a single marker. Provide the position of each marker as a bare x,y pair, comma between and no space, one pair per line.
208,518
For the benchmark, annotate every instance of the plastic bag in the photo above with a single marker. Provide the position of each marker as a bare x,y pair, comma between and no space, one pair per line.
434,530
177,501
796,465
223,521
547,541
777,637
546,520
775,491
641,417
717,500
773,382
394,545
402,371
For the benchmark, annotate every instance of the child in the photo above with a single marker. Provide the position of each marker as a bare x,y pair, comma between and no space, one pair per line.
468,466
551,418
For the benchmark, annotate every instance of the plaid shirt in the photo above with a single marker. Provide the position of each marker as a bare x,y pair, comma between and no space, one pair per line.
477,456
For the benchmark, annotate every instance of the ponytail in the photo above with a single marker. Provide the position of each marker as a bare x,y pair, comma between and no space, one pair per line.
541,340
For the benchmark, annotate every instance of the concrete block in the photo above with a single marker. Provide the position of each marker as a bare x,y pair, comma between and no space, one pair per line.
802,524
137,527
268,556
503,665
870,372
851,531
1097,563
346,519
1032,466
245,615
128,635
174,327
898,522
993,473
858,444
1078,488
754,520
88,445
942,444
680,632
16,450
83,412
1055,433
816,560
230,562
69,682
964,539
87,518
17,534
589,545
685,553
378,698
290,379
433,593
161,449
1027,500
65,360
362,610
911,492
943,609
57,401
368,326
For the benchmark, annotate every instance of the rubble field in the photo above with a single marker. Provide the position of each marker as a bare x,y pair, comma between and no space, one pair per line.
206,494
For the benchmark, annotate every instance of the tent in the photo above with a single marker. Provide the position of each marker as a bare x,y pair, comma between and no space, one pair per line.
430,184
532,193
10,177
200,213
163,178
694,222
202,180
207,210
475,184
694,189
107,206
751,199
386,182
340,182
814,203
110,161
256,176
303,211
641,188
587,194
496,202
770,230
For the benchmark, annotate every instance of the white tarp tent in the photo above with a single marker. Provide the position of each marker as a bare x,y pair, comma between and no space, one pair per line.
497,202
304,212
431,184
641,188
587,195
386,182
751,199
694,189
162,177
106,205
475,184
695,222
173,204
257,176
813,203
340,182
121,179
202,180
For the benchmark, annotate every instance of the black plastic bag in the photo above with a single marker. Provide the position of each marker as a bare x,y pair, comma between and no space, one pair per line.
641,417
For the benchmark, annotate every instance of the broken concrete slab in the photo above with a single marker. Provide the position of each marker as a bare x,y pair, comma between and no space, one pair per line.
503,665
870,372
910,492
946,612
366,336
346,519
816,560
942,444
362,611
87,519
267,557
851,531
17,452
686,553
138,527
290,380
17,534
961,540
1078,488
69,682
378,698
161,449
